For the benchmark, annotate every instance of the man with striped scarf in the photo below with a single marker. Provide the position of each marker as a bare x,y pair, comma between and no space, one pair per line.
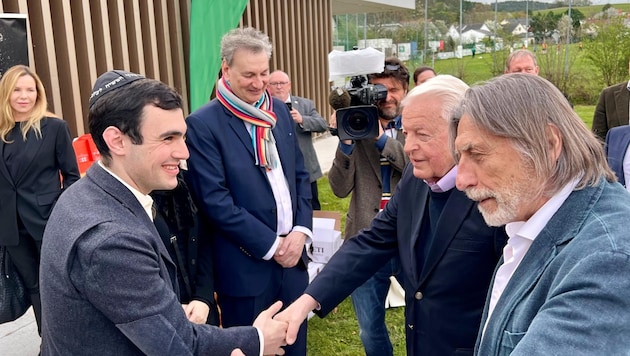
247,176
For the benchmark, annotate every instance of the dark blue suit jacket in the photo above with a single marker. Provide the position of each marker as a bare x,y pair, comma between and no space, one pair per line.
617,141
445,298
235,198
106,284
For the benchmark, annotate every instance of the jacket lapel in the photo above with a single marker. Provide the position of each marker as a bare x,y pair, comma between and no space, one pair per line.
297,105
622,96
447,225
126,198
4,171
371,150
32,146
416,217
558,232
240,131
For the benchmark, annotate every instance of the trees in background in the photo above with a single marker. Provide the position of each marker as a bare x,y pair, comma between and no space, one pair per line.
608,51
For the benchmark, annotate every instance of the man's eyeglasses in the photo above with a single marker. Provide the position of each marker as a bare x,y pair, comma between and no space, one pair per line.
278,84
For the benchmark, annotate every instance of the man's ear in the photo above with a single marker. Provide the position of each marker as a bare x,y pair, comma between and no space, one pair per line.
115,140
225,70
554,141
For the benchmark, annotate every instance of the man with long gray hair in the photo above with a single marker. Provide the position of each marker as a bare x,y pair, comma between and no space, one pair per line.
562,287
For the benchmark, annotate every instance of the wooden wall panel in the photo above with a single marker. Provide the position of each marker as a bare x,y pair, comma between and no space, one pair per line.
86,61
300,31
73,42
69,91
118,33
134,37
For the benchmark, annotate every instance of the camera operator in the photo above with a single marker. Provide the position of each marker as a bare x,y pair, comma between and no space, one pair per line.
370,169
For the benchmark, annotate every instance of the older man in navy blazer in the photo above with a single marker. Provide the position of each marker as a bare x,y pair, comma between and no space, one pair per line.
247,175
447,252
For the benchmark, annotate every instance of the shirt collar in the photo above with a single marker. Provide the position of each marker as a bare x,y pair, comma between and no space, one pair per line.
396,123
531,228
445,183
145,200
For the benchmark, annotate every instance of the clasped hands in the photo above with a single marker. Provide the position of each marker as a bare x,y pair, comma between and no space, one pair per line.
281,329
290,249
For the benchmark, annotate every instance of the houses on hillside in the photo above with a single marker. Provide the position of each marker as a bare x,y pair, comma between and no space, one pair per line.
476,33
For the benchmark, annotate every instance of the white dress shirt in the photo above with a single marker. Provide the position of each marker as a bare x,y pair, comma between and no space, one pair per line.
145,200
282,196
521,236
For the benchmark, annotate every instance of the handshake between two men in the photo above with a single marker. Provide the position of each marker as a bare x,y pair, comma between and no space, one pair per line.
281,329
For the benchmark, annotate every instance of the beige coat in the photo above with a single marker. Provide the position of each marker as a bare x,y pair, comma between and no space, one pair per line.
361,173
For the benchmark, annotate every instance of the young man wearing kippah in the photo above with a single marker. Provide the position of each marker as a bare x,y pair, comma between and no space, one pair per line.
108,284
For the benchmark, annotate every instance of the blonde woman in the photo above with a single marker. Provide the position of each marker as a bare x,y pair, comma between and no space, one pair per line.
35,153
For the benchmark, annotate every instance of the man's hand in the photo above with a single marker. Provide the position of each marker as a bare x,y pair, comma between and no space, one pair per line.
297,117
332,120
290,249
295,314
237,352
274,331
380,131
197,311
332,123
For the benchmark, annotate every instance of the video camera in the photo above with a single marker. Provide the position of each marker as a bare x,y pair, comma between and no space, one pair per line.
356,112
355,103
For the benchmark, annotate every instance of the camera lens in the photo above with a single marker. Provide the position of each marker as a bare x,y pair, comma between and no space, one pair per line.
357,122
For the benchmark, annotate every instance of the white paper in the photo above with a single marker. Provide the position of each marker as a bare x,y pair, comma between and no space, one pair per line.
343,64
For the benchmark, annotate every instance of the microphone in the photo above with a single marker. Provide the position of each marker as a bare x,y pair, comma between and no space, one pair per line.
339,98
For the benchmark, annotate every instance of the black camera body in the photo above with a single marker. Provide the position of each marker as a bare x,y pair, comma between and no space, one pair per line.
360,120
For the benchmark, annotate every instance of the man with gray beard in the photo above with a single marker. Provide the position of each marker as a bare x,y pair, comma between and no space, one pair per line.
562,287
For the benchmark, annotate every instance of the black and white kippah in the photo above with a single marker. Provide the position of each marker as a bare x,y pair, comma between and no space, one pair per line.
110,81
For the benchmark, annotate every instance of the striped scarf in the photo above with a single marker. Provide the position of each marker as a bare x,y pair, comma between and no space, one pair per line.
261,116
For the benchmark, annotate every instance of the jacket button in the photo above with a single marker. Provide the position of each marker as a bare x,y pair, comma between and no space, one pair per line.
418,295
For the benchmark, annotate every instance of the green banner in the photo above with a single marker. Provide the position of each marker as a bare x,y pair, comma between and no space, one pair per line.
209,21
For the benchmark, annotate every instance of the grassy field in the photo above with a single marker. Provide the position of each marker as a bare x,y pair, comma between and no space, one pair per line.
588,11
585,81
338,333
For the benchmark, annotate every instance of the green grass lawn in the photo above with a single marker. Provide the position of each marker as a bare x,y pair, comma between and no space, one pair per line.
585,80
338,333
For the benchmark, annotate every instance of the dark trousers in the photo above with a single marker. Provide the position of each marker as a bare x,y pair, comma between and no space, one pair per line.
239,311
315,198
25,256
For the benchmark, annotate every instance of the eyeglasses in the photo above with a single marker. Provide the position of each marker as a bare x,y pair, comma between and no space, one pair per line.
278,84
